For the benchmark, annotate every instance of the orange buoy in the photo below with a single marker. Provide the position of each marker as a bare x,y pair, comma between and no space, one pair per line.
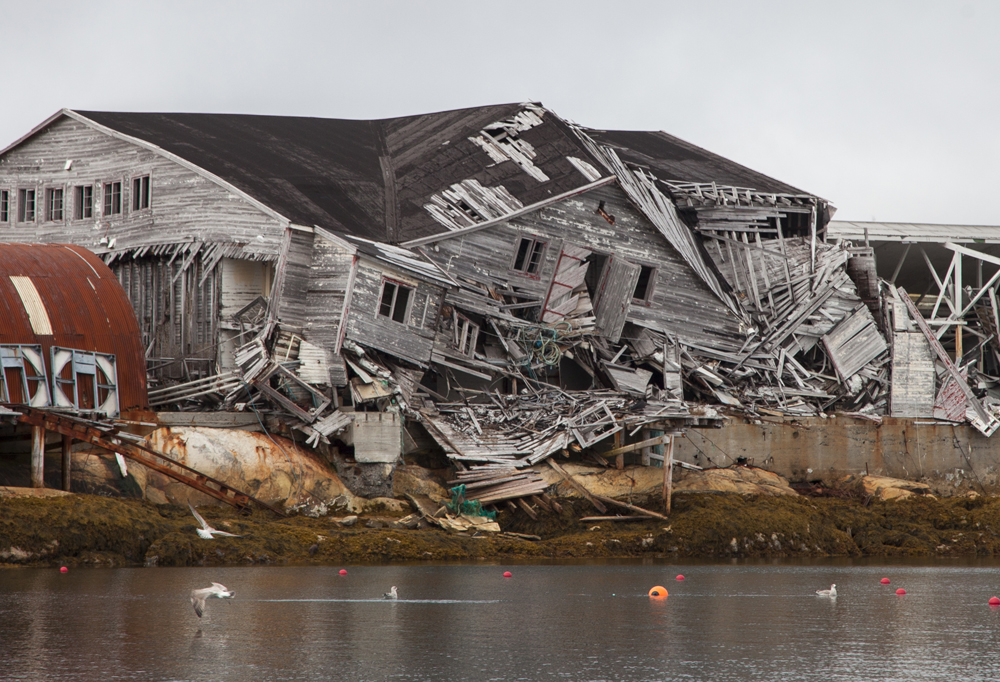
343,571
658,591
507,574
994,601
884,581
680,577
900,591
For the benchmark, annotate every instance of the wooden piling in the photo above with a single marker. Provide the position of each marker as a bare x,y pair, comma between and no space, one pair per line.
668,474
67,446
37,457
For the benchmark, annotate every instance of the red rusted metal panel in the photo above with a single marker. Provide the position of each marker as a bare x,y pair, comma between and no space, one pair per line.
86,307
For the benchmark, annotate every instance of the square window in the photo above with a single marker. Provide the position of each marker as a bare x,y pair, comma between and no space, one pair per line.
140,193
644,285
4,205
395,300
54,204
112,198
529,256
83,202
26,206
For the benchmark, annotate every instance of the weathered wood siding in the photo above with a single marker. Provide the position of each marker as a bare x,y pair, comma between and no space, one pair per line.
411,341
680,302
184,206
176,298
293,279
330,276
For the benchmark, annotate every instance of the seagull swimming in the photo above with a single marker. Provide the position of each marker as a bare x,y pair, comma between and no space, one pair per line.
198,597
391,594
206,532
832,592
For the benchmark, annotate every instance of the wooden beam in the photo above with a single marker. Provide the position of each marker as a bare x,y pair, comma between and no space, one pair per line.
579,488
668,483
67,460
37,457
630,507
659,440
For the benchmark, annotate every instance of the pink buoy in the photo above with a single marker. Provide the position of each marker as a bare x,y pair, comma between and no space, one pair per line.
64,570
884,581
508,574
343,571
994,601
680,577
900,591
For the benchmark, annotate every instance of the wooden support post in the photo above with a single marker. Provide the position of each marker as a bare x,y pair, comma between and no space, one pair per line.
620,458
37,457
668,475
958,307
67,445
644,435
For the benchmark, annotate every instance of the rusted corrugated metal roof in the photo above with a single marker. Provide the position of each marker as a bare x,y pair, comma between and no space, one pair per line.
85,306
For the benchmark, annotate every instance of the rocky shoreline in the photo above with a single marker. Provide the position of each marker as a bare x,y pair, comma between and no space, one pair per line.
92,530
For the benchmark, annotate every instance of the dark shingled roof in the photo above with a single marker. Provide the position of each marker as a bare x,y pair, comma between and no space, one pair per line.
372,178
671,158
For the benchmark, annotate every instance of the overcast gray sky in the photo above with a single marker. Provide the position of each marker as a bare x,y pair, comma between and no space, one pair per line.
887,109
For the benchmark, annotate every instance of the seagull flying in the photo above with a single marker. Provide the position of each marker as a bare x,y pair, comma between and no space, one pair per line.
206,532
832,592
198,597
391,594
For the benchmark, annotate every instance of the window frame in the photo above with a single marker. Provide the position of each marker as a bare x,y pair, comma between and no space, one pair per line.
650,283
141,199
52,214
4,205
394,313
535,246
108,197
21,216
79,195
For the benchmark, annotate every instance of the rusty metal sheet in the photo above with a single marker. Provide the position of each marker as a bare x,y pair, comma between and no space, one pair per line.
85,305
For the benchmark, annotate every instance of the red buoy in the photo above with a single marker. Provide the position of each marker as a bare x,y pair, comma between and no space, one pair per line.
884,581
680,577
507,574
64,570
994,601
900,591
343,571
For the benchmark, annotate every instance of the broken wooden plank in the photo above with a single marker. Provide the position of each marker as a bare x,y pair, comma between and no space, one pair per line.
578,487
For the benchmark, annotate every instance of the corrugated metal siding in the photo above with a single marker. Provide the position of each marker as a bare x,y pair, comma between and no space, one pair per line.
87,309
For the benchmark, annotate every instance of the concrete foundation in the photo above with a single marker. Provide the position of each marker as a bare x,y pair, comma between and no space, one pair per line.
952,458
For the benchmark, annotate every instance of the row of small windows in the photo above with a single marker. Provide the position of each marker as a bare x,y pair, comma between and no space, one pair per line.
54,206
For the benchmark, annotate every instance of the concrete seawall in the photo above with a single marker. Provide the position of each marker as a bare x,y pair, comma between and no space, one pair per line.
952,458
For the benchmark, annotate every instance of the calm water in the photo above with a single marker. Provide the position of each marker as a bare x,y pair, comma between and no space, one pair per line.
564,622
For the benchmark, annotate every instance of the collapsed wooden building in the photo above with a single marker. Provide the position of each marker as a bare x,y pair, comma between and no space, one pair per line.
498,279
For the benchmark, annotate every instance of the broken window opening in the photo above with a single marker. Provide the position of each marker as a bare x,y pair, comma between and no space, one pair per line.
83,202
4,205
529,255
395,300
644,285
140,193
26,206
54,204
112,198
595,270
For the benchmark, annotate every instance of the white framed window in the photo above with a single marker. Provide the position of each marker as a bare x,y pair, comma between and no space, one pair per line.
140,192
54,203
466,334
395,300
83,202
528,257
644,286
4,205
25,205
112,198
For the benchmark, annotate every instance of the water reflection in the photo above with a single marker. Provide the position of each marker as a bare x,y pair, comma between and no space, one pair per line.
578,622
